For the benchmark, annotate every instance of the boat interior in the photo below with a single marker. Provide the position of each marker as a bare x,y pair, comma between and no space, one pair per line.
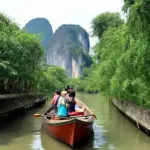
50,115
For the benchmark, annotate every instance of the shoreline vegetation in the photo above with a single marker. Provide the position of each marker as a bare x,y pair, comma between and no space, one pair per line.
22,63
121,67
24,75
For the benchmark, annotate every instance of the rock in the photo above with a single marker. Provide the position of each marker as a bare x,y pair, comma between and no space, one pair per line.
69,49
40,26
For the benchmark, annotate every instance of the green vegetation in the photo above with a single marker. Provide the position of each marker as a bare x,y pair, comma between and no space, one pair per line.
75,50
105,21
121,66
21,62
52,78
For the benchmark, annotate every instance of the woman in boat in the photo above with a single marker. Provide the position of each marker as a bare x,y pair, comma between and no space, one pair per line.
62,105
73,105
55,98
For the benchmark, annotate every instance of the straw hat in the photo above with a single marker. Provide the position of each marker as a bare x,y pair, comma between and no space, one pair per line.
64,92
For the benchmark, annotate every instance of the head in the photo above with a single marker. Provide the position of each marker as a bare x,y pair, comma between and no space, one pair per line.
57,92
64,93
72,95
70,88
66,89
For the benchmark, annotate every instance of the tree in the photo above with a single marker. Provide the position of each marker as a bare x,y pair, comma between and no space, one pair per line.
51,78
104,21
123,54
127,5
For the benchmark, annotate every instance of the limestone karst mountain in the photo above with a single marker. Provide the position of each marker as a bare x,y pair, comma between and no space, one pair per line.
40,26
69,49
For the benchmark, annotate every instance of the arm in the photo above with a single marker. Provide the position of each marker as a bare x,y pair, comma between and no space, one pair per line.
78,102
78,109
52,101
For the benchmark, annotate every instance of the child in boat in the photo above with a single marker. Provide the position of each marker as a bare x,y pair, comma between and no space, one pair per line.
61,105
73,105
56,97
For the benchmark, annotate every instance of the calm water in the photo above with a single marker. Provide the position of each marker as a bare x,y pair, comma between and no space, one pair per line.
111,131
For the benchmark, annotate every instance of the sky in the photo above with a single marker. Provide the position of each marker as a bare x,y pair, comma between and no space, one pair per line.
59,12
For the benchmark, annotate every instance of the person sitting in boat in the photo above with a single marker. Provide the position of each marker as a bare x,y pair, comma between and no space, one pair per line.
55,98
62,105
73,105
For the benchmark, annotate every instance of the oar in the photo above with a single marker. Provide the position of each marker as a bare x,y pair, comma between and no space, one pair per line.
41,115
92,114
37,115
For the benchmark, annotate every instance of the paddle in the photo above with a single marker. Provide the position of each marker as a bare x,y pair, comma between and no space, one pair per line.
37,115
82,104
41,115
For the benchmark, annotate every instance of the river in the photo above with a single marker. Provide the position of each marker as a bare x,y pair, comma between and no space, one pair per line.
111,130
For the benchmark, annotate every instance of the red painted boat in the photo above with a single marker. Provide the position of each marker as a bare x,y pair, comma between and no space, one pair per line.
70,130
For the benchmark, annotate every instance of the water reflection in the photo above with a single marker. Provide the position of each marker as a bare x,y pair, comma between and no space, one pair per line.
36,144
99,139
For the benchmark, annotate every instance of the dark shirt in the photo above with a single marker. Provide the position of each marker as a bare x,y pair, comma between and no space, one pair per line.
71,106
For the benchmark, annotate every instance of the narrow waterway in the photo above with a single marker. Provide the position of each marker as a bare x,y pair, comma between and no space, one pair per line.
111,130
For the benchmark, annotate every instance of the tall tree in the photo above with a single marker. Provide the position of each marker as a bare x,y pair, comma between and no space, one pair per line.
105,21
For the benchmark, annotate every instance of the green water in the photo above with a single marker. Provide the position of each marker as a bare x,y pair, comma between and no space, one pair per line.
111,130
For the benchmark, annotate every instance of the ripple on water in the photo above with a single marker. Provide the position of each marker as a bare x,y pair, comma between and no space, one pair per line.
99,140
36,143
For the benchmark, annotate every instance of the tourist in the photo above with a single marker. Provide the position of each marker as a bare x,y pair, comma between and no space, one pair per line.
55,98
73,104
62,105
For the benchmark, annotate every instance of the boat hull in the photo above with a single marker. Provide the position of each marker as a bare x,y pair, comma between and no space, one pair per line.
72,132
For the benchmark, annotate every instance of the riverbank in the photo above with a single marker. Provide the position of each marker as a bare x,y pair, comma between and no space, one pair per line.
139,115
16,104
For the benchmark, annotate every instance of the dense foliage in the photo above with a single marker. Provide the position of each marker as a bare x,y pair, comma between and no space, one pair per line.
122,63
21,61
51,78
105,21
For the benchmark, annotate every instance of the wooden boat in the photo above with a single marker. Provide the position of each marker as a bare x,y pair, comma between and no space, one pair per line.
70,130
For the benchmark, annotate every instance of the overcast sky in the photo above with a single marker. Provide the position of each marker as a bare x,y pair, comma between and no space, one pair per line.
59,12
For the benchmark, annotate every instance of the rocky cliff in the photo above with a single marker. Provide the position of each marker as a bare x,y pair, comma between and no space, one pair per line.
40,26
69,49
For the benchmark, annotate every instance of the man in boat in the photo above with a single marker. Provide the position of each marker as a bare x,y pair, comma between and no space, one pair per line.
77,108
73,105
